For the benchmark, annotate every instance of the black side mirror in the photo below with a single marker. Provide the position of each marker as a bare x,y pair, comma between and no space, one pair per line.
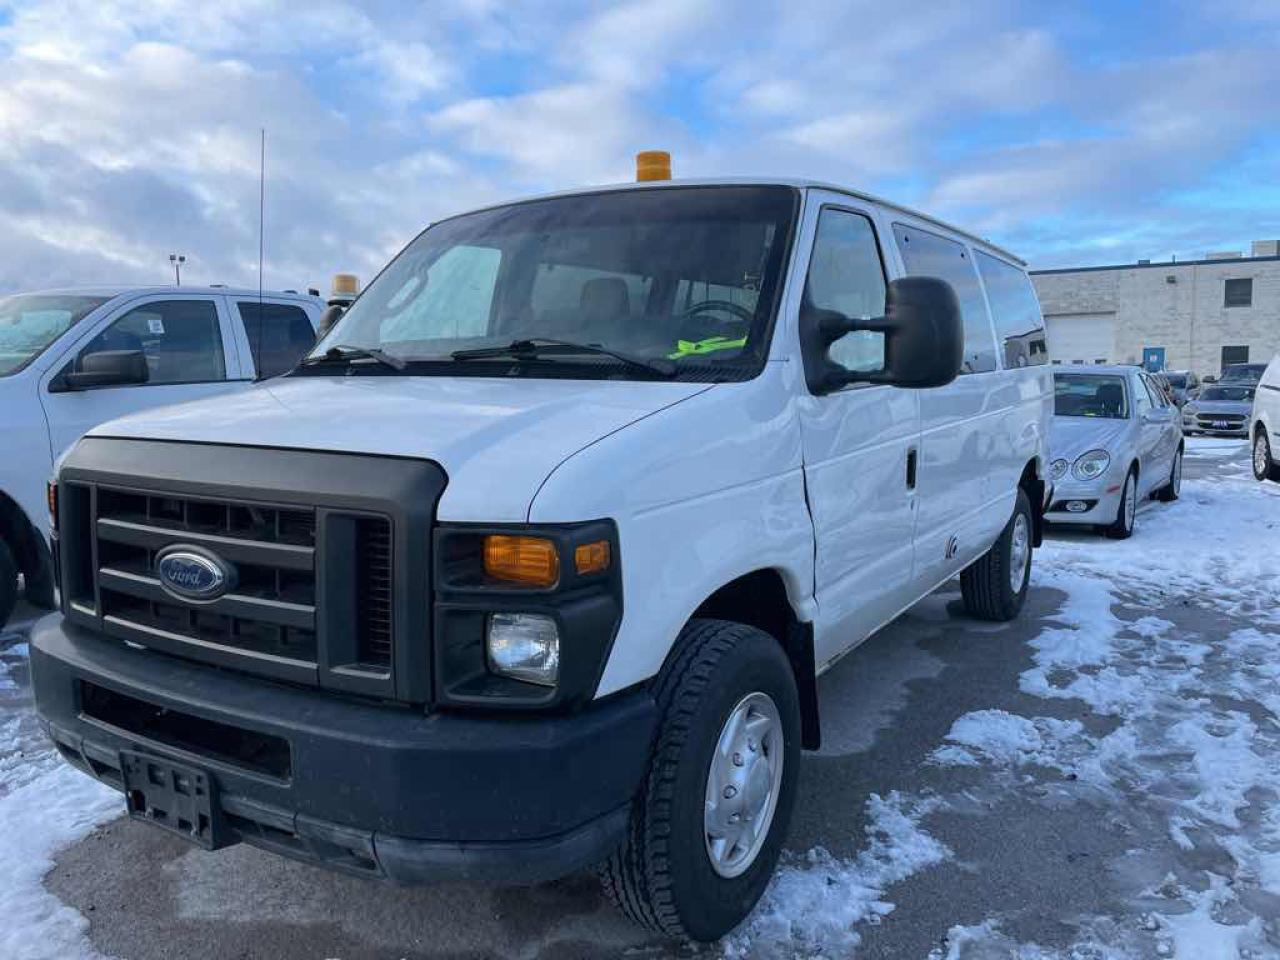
923,338
330,316
108,368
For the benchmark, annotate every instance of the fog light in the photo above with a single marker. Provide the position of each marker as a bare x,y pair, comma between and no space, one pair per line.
1076,506
524,646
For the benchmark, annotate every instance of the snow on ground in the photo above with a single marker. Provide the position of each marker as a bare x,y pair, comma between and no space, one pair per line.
44,806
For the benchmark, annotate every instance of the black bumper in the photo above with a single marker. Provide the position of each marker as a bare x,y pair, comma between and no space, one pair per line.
384,791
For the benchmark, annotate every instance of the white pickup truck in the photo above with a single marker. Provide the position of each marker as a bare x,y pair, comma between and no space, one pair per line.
70,359
533,565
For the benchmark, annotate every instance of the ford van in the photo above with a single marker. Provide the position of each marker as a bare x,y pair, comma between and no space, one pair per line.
533,564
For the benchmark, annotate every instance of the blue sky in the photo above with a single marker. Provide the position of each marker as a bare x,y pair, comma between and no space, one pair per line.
1070,133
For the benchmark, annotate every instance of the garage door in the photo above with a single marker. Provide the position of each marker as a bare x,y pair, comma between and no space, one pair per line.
1081,337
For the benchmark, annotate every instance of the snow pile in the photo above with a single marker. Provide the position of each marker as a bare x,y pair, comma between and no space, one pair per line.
1006,740
812,906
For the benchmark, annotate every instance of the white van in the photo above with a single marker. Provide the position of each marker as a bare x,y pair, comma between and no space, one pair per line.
1264,424
70,359
533,564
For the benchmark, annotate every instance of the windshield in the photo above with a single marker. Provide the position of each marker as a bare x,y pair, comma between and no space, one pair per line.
1244,371
29,322
1236,394
1177,380
688,275
1089,395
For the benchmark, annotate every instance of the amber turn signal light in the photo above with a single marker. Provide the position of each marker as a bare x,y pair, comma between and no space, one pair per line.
51,492
532,561
591,558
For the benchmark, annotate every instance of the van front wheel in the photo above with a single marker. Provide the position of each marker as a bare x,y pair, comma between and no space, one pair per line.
994,586
711,815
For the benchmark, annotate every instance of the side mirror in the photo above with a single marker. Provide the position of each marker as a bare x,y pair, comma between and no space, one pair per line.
108,368
923,338
1209,379
330,316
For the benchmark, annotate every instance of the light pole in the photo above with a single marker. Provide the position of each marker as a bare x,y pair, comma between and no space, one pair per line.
177,259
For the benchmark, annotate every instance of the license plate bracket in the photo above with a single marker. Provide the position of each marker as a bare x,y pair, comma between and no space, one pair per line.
174,797
1221,425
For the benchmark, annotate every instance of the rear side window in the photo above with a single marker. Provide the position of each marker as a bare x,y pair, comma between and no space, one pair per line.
279,335
1015,310
927,254
181,340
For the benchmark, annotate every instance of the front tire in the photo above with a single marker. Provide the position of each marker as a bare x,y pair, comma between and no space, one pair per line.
994,586
1170,491
1264,466
1127,512
728,731
8,583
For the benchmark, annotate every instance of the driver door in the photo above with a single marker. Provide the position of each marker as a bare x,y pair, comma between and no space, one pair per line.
190,353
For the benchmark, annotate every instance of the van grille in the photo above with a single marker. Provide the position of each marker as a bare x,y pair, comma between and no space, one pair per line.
373,597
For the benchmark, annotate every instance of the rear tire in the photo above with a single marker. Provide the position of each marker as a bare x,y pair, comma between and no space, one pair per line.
994,586
1264,464
1126,514
8,583
1170,491
664,877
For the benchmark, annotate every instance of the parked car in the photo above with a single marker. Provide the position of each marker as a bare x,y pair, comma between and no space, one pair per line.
1242,373
540,552
1185,385
70,359
1264,424
1116,439
1221,409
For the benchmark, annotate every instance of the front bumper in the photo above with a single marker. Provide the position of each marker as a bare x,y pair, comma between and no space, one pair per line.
1103,495
378,790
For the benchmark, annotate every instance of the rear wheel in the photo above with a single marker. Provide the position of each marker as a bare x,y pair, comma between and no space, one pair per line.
708,824
8,583
1264,467
1127,512
1170,491
994,586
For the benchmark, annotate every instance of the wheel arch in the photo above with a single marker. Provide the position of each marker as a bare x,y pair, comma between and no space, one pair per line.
30,551
1033,483
759,599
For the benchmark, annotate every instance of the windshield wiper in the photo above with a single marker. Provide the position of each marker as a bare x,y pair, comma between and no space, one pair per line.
546,347
346,352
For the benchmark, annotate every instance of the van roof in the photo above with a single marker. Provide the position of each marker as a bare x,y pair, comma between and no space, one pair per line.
798,183
186,290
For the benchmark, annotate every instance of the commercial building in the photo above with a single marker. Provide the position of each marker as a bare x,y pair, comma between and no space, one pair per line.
1196,314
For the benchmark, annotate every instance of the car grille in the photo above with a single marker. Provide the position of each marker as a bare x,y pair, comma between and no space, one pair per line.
1232,420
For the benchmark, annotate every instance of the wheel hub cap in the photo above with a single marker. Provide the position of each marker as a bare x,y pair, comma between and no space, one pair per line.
1260,456
1130,502
1019,552
743,784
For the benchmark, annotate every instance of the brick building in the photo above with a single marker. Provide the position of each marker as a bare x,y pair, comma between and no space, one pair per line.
1195,314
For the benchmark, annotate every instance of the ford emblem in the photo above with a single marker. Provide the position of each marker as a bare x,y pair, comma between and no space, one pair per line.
190,573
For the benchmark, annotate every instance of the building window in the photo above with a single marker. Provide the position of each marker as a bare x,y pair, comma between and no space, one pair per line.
1232,355
1238,293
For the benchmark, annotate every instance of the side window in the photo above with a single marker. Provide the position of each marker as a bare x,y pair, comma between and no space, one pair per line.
847,275
1142,401
1015,310
181,340
279,334
930,255
453,300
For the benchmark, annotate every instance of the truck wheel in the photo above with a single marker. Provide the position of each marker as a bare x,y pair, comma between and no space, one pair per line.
8,583
1127,512
711,815
1264,467
995,585
1169,492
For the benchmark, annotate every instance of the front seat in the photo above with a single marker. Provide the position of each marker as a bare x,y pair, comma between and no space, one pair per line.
1111,396
605,305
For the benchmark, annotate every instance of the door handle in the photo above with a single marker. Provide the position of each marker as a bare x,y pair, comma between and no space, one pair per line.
912,457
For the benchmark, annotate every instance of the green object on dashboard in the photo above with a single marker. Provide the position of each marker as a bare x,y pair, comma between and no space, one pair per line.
692,348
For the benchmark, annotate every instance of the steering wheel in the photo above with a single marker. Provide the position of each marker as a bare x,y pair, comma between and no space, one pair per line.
724,306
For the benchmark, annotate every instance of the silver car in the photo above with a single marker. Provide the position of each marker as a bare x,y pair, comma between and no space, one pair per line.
1116,439
1221,408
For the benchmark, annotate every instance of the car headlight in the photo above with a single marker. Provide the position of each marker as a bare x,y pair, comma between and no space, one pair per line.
524,646
1091,465
1058,469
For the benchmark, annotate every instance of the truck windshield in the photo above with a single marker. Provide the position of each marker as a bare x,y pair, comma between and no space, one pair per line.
684,276
1242,394
29,322
1089,395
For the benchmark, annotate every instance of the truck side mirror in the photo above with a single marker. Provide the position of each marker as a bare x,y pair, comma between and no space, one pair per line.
923,338
106,368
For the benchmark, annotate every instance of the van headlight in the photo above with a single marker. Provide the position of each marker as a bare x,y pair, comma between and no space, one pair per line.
1058,469
1091,465
523,646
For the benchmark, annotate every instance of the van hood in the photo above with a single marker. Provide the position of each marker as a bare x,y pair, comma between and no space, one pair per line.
1071,436
496,438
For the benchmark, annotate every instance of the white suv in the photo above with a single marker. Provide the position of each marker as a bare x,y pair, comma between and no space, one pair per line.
532,565
1264,424
70,359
